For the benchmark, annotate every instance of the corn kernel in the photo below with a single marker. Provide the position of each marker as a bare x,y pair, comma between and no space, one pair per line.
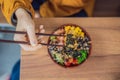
82,34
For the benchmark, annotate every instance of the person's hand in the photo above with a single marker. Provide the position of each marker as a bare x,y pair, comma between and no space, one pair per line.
26,23
37,14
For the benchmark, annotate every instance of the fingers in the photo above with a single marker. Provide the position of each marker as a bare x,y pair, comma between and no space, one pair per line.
19,37
26,47
37,14
41,30
41,27
30,48
32,36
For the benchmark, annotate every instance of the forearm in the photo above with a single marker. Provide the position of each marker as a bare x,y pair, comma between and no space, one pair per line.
20,13
9,7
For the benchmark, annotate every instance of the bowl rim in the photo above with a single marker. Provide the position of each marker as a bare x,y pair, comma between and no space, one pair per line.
61,27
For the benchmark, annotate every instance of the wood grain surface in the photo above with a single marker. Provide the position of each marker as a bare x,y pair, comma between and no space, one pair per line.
103,64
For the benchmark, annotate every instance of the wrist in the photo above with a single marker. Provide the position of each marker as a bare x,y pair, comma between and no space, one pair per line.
20,13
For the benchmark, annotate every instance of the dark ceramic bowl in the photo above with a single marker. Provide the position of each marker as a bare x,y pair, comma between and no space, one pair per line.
62,27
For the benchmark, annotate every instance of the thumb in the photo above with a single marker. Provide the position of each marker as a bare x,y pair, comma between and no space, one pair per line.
32,36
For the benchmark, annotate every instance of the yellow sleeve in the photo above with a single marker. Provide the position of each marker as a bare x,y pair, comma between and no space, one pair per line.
9,7
58,8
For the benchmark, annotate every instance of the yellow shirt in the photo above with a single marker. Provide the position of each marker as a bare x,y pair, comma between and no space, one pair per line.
51,8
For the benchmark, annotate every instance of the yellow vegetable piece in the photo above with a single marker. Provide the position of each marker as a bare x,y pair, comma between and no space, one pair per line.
72,28
79,29
82,34
67,28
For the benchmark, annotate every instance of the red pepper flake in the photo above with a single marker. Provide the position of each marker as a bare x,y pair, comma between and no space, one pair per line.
75,61
67,64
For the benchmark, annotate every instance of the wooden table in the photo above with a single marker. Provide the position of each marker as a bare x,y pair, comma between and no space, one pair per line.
103,64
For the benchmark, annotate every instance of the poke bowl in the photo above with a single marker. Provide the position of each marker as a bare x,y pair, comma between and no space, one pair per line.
77,45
